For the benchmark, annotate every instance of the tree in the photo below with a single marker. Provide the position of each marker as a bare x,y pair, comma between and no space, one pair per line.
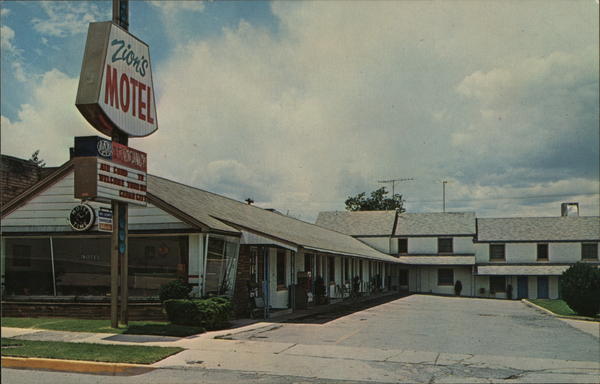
36,160
378,201
580,288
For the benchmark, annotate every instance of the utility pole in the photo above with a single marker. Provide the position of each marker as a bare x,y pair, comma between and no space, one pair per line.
393,181
444,182
119,252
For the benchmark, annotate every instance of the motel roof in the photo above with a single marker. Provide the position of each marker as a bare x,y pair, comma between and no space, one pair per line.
435,224
359,223
561,228
223,213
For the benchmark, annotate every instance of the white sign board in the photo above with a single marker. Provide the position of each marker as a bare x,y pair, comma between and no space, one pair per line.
116,90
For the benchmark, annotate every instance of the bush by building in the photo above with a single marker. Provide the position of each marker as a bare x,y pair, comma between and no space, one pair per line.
211,313
580,288
173,290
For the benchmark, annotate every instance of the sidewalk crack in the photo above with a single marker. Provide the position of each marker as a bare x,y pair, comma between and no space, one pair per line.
286,349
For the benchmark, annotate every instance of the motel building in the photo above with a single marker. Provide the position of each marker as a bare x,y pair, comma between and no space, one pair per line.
53,265
520,257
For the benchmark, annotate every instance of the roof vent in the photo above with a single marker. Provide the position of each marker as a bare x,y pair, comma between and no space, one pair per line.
569,209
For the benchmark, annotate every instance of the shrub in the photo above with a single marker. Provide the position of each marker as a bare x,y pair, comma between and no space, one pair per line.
580,288
457,288
182,312
209,313
173,290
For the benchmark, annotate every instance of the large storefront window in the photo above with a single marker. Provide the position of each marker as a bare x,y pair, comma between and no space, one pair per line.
220,266
28,267
154,261
82,266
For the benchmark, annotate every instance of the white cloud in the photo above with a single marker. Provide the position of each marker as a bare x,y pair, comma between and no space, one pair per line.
48,122
18,71
4,12
7,35
68,18
172,7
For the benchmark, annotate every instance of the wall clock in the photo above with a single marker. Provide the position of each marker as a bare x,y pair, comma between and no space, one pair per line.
82,217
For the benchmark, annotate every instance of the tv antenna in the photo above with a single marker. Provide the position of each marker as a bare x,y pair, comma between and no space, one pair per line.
393,182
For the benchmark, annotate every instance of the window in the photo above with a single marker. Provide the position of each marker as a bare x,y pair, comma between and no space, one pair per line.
445,277
445,245
497,252
308,262
402,246
589,251
497,284
28,268
542,251
21,255
254,264
280,269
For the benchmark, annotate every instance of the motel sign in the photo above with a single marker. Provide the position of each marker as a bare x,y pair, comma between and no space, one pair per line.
115,84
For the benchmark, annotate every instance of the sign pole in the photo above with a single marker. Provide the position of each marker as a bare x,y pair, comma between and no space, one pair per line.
121,18
114,268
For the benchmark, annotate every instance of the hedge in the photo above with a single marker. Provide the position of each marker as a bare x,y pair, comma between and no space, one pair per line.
211,313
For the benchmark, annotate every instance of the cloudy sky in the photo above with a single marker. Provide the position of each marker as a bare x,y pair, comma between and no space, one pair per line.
301,104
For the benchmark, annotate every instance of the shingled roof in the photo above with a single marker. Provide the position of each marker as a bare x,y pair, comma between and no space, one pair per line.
359,223
212,209
434,224
573,228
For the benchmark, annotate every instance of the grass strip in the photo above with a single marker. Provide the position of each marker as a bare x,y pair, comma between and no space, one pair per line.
558,307
156,328
86,351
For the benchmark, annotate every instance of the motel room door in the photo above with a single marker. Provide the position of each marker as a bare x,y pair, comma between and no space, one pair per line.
522,287
542,287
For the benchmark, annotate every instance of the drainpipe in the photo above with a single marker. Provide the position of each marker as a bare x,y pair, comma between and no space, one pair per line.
266,283
204,269
53,271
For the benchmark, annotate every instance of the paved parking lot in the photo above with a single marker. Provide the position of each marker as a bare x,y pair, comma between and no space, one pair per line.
448,325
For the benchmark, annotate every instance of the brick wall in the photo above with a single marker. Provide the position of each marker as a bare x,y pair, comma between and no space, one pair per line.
241,295
137,311
16,175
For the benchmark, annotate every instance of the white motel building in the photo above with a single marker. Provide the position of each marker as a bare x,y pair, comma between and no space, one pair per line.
226,247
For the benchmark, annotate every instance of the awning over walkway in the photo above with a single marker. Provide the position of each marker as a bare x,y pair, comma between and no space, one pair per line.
437,260
522,270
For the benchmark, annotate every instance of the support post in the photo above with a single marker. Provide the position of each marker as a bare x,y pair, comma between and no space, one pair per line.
123,215
267,283
114,268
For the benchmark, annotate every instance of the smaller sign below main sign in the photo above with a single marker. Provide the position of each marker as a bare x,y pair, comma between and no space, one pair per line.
106,171
105,220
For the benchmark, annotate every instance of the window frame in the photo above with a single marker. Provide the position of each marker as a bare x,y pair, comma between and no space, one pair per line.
445,283
404,249
447,240
590,246
492,245
545,246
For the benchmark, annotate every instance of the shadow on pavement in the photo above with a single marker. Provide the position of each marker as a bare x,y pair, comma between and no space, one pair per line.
344,309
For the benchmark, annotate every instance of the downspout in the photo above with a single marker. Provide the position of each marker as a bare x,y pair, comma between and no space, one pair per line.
53,271
204,269
266,283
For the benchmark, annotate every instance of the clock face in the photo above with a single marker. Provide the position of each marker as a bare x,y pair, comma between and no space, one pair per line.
82,217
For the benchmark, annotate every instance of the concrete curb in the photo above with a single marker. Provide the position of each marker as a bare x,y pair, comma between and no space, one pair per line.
579,318
112,369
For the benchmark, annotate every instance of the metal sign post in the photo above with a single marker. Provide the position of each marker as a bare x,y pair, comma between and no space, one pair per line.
116,96
119,237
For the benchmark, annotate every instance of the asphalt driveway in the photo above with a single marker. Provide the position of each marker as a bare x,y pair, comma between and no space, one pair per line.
445,325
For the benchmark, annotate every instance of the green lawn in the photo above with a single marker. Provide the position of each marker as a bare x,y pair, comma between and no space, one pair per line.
557,306
160,328
85,351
